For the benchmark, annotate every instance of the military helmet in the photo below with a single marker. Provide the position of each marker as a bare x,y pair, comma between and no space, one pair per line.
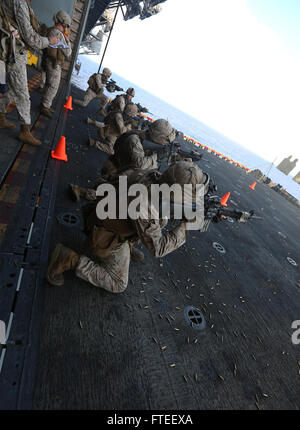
106,72
161,131
63,18
131,109
131,92
185,172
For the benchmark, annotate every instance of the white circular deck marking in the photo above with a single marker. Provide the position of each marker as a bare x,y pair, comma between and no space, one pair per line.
236,192
219,247
233,202
277,219
290,260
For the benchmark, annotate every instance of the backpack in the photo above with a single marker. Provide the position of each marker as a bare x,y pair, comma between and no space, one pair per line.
92,82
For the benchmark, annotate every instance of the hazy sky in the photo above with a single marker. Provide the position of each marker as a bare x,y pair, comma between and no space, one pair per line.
234,65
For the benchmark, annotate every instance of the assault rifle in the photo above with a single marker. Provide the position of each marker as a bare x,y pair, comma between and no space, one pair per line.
194,155
176,154
215,210
111,86
137,121
173,152
142,109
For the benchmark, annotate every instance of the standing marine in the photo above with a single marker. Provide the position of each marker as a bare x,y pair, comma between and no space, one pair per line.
19,21
53,61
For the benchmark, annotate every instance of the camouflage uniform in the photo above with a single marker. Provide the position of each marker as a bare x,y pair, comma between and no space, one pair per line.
111,273
110,239
129,154
119,102
115,125
21,15
91,94
51,76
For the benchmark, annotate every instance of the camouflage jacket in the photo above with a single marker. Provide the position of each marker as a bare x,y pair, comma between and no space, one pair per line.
57,55
129,152
97,83
115,125
22,18
106,235
119,102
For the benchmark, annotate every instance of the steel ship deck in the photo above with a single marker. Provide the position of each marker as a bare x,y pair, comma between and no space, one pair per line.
79,347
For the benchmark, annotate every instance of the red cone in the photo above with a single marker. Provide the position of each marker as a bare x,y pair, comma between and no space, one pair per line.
68,105
60,151
252,186
224,199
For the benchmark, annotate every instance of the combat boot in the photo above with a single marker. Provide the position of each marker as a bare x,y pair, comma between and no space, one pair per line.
25,136
136,254
46,111
4,123
62,259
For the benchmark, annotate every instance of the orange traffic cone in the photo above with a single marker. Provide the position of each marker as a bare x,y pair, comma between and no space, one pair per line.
68,105
60,151
252,186
224,199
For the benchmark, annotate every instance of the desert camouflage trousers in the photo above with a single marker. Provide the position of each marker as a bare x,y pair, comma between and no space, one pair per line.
110,274
89,96
50,82
18,89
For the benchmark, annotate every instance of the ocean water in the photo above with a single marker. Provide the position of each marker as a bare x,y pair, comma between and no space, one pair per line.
190,126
